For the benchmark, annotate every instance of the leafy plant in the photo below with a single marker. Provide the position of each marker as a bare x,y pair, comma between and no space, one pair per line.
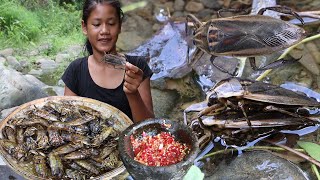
17,24
26,24
311,148
194,173
314,151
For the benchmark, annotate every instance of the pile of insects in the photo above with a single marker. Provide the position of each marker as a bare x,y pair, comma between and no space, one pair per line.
240,110
61,140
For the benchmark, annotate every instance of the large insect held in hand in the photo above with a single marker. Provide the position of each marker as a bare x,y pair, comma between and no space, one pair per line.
245,36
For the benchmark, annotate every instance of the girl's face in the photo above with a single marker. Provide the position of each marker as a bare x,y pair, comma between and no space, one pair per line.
102,28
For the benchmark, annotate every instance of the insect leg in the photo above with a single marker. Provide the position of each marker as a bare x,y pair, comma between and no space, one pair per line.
205,139
278,63
196,24
196,56
212,58
282,9
214,109
252,61
241,104
273,108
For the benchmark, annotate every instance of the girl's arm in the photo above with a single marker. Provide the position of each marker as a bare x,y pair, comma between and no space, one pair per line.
141,102
138,92
68,92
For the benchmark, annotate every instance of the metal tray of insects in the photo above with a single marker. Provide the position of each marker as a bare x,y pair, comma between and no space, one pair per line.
63,137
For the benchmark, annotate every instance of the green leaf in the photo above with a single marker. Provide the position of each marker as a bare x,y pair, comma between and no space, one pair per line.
194,173
311,148
315,170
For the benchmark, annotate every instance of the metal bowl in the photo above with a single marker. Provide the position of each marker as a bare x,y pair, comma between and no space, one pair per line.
121,122
182,134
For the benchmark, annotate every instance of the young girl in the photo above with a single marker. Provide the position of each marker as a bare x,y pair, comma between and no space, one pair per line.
127,90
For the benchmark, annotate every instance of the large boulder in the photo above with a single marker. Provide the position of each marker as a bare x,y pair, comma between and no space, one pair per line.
16,89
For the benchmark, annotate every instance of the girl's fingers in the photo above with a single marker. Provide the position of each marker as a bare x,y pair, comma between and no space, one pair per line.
133,68
133,78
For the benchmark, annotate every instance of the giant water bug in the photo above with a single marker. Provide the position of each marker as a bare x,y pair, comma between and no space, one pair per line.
250,97
245,36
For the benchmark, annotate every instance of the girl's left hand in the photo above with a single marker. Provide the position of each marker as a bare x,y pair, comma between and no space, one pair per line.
132,78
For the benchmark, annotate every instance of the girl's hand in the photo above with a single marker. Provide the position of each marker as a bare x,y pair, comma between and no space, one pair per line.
132,78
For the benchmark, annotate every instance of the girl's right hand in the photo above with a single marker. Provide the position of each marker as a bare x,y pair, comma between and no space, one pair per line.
132,78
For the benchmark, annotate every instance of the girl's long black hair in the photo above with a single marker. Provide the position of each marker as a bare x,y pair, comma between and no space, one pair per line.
89,5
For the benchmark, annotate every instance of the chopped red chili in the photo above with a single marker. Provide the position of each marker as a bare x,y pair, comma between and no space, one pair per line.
159,150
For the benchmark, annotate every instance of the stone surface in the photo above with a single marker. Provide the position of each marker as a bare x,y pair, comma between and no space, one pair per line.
15,89
7,173
6,52
163,102
258,165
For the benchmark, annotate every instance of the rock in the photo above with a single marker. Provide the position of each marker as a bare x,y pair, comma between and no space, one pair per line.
162,49
163,102
314,51
34,52
47,65
169,6
145,12
54,90
62,57
129,40
159,84
60,83
258,165
6,52
36,72
15,89
6,173
186,87
25,64
14,63
178,14
134,21
2,61
209,74
212,4
44,47
305,81
74,50
178,5
309,62
205,14
194,7
4,113
35,80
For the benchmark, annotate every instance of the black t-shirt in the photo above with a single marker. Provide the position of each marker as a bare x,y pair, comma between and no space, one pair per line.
78,79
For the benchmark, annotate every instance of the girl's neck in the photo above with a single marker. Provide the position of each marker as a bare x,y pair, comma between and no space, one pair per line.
103,74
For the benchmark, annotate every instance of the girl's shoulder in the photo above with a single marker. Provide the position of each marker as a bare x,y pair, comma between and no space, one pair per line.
79,61
78,64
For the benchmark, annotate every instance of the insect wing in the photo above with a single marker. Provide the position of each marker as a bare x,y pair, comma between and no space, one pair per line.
230,87
252,35
269,93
